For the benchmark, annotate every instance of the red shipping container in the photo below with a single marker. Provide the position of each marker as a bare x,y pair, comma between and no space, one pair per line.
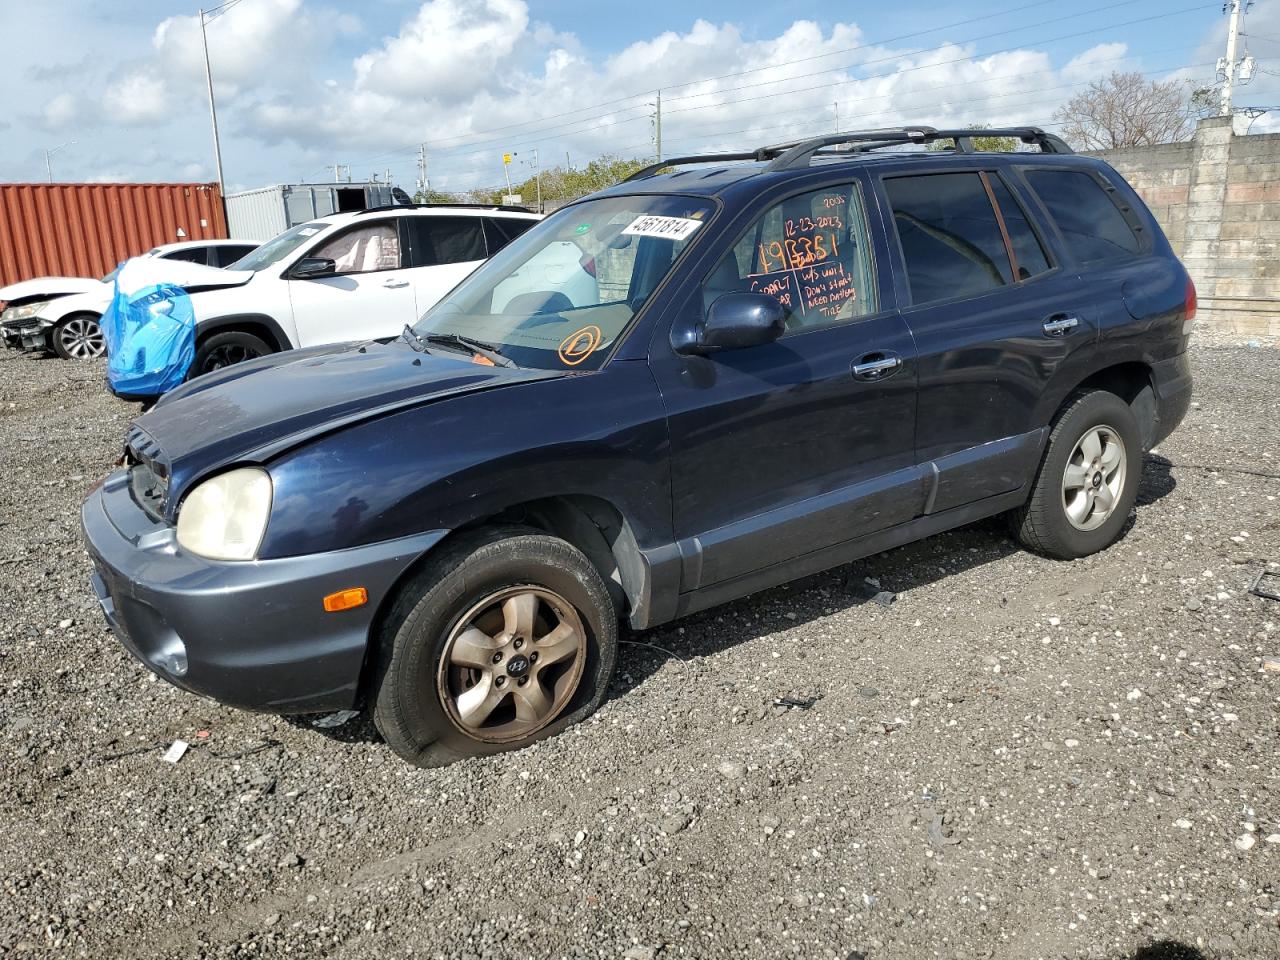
86,229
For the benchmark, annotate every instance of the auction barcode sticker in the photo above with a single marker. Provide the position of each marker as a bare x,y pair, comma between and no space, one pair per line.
669,228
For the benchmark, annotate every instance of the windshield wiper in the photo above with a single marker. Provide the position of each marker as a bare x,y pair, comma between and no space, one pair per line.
412,339
486,350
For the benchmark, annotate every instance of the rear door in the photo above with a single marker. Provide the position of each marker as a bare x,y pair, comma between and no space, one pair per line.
370,296
443,250
995,314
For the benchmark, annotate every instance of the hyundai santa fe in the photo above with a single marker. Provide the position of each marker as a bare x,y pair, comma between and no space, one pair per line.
792,357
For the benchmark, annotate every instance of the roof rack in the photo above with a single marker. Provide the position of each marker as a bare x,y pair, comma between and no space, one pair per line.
504,207
788,156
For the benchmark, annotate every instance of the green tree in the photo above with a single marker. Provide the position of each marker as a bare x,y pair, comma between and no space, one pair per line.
435,196
985,144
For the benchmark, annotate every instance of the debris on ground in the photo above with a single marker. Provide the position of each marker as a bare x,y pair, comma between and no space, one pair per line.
329,721
177,750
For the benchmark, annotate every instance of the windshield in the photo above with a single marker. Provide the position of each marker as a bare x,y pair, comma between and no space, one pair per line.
561,295
277,248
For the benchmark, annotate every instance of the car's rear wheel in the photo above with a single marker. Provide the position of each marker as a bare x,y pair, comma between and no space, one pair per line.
507,637
225,349
79,337
1088,480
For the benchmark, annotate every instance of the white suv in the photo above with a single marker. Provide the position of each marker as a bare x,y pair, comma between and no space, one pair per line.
351,276
61,314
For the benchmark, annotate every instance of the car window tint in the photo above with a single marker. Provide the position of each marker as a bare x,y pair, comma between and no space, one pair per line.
951,242
500,231
811,253
439,240
190,255
1026,246
1091,224
364,249
226,254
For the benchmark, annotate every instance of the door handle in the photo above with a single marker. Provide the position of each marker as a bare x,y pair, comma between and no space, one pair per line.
876,366
1058,326
393,283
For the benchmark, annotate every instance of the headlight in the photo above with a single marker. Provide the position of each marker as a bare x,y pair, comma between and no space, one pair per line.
224,518
24,311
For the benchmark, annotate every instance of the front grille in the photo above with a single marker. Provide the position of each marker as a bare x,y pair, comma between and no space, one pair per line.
148,472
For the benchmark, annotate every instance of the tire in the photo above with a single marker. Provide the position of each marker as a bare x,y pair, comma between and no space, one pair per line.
1067,515
461,605
224,349
79,337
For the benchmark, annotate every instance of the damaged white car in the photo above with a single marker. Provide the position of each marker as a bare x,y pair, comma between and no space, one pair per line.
61,314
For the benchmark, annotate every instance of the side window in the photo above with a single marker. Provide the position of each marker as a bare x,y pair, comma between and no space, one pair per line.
189,255
951,240
1091,223
440,240
1028,255
364,249
811,253
499,231
224,255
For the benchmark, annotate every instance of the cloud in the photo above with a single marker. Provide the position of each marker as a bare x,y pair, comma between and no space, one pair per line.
141,96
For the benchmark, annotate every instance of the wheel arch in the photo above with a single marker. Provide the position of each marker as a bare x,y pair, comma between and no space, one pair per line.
1132,381
592,524
260,325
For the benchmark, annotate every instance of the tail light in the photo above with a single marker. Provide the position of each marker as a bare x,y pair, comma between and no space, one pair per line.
1189,309
588,263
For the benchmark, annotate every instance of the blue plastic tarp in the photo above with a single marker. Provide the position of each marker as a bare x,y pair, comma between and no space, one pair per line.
150,329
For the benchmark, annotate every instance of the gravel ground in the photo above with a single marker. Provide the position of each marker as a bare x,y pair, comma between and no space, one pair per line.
1019,758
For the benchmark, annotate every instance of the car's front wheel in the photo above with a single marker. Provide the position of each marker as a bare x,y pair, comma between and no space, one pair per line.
1088,480
79,337
224,349
506,637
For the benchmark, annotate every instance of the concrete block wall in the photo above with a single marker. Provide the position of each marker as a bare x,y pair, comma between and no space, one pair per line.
1217,197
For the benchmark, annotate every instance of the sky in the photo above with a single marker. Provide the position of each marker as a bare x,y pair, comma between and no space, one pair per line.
119,89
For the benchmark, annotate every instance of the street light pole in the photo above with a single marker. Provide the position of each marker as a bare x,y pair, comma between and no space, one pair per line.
213,110
48,158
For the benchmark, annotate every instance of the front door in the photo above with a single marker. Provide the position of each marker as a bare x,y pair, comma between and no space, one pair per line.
784,449
994,320
371,295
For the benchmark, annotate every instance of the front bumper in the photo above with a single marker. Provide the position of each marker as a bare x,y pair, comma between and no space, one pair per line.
250,634
30,335
1172,382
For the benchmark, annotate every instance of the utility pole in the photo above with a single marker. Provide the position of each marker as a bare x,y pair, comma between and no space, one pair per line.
658,125
422,168
337,172
1231,68
537,167
836,106
48,157
213,110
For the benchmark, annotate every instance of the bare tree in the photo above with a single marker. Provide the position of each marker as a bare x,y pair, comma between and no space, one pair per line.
1126,110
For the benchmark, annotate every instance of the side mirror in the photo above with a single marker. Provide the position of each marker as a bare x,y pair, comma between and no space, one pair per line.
734,321
311,268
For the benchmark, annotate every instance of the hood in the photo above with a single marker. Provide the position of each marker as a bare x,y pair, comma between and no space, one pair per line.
47,288
192,277
254,411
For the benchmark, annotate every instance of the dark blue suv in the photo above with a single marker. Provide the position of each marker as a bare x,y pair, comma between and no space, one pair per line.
686,388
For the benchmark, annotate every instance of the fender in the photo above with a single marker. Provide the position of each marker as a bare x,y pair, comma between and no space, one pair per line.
233,321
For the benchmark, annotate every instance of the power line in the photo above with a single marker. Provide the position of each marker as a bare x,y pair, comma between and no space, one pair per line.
443,143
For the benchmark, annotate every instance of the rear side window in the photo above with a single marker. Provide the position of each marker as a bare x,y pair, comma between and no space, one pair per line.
224,255
1028,254
499,231
1092,225
951,240
189,254
436,241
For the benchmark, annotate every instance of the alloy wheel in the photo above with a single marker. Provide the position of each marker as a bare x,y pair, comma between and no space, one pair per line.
81,338
512,663
1094,478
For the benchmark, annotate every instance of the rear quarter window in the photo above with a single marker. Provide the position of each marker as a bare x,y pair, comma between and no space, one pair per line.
1091,222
